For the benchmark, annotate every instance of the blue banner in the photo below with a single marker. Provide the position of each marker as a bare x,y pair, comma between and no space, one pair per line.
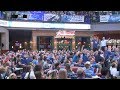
72,18
36,15
109,18
114,18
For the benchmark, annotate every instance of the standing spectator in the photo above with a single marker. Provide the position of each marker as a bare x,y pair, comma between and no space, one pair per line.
84,56
104,43
76,57
98,57
95,44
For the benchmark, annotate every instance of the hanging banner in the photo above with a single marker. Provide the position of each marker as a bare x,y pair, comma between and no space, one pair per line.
104,18
51,17
72,18
64,33
109,18
36,15
114,18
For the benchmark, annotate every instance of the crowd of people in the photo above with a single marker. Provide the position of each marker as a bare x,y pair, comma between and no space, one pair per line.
101,62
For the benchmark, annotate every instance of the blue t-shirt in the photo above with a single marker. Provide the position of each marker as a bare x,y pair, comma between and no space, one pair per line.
35,62
85,58
89,72
94,65
95,43
75,58
107,54
24,61
29,60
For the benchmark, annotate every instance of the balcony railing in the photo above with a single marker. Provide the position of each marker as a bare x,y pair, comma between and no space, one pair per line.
64,16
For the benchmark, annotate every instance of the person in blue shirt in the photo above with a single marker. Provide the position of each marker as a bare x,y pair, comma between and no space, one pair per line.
106,53
76,57
35,61
85,58
89,71
29,60
95,44
92,61
24,61
79,63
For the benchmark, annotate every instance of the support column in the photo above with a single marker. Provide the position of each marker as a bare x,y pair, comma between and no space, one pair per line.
73,43
55,43
34,42
5,40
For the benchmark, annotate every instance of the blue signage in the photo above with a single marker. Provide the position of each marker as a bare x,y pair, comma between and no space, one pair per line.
36,15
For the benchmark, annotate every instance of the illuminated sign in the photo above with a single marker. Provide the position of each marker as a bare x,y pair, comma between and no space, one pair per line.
4,23
26,24
114,41
64,33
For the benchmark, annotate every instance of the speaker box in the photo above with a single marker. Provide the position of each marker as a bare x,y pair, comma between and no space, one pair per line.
24,16
14,16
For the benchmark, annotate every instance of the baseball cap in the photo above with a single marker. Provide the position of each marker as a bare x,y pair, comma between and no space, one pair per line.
88,62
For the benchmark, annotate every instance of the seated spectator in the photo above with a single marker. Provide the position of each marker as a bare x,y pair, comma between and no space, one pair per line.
79,63
25,70
62,74
104,73
80,73
12,76
70,73
38,68
113,70
57,66
30,74
89,71
38,75
52,74
35,61
2,72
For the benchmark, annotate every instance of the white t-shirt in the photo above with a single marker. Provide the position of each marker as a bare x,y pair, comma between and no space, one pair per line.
103,42
114,71
32,75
